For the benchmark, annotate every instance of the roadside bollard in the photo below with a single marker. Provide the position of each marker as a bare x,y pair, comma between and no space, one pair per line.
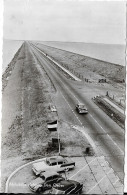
87,150
107,94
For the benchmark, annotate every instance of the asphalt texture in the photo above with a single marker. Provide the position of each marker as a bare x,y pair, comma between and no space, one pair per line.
105,133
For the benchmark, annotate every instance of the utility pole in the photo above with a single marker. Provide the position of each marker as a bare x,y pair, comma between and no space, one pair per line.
58,140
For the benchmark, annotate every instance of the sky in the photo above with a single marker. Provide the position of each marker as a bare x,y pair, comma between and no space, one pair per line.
65,20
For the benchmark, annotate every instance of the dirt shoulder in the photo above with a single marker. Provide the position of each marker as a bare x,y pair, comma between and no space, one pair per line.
11,121
26,109
89,68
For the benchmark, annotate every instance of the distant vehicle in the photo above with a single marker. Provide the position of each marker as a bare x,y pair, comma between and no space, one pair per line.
67,187
54,163
81,108
45,181
53,108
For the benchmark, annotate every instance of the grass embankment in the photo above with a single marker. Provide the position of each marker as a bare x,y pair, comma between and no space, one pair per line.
28,134
87,67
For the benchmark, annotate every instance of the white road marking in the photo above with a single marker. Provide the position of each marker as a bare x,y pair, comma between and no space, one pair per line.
107,134
91,117
82,168
98,124
67,71
71,109
116,181
83,132
98,183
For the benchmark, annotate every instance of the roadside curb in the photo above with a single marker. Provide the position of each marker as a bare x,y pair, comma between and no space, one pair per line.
14,172
64,69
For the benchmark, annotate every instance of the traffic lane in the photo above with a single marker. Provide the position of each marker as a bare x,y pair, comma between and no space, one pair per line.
90,122
105,145
102,120
98,86
93,128
63,109
121,141
106,123
63,90
61,86
99,114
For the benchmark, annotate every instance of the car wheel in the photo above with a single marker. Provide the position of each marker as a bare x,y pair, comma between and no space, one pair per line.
39,190
67,169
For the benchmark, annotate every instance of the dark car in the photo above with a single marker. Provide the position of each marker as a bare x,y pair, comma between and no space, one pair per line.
81,108
67,187
45,181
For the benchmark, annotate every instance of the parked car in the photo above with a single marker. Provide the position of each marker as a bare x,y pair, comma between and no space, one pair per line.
54,163
45,181
53,108
81,108
67,187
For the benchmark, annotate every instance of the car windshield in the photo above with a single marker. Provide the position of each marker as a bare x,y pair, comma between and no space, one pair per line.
47,162
55,191
43,177
81,106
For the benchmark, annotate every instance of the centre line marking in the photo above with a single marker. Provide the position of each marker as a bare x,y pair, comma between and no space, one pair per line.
98,124
83,132
91,117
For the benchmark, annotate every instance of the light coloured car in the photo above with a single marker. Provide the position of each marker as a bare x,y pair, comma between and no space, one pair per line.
45,181
81,108
53,108
54,163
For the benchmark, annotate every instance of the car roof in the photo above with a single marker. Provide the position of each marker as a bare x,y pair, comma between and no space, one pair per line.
81,104
65,184
55,158
49,174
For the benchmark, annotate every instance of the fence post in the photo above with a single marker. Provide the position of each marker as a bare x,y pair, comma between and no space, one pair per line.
107,93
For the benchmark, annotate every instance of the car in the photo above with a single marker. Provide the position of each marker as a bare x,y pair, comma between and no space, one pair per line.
54,163
67,187
81,108
53,108
45,181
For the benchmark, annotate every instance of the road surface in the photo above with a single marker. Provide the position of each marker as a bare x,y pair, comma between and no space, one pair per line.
103,131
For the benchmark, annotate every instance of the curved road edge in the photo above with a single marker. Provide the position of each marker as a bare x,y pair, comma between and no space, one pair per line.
19,168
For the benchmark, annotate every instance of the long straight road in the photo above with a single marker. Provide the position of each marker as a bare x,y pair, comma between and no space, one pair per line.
101,131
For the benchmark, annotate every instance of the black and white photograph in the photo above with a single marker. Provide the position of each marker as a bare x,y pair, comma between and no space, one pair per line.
63,97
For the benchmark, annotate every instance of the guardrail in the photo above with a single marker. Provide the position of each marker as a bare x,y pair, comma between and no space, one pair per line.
64,69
